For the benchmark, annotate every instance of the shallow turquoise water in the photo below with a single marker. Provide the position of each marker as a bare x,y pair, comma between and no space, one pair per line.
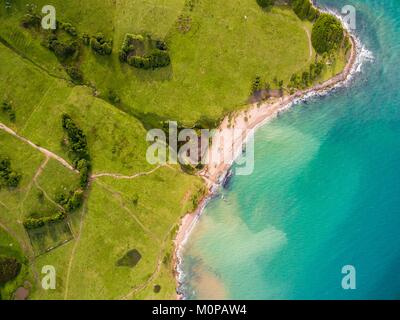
325,192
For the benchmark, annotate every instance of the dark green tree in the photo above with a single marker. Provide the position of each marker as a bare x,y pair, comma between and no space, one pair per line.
265,3
327,33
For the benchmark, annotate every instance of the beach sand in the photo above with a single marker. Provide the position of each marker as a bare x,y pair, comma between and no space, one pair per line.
247,120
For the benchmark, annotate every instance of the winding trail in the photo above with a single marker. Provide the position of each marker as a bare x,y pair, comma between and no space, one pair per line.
46,152
310,46
120,176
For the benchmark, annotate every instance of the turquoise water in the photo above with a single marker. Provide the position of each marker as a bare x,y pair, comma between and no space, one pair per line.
325,192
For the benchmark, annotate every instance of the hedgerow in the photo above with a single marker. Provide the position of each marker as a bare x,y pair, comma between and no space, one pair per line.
34,223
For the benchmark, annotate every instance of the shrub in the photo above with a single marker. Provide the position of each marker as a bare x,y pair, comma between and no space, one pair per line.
265,3
61,49
31,20
256,85
327,33
9,269
75,74
157,57
68,28
113,97
8,178
83,167
101,45
85,39
7,108
305,10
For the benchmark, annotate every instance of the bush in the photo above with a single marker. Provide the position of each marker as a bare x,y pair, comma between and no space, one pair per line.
86,39
7,108
265,3
68,28
61,49
9,269
157,57
75,74
8,178
31,20
101,45
83,167
256,85
327,33
113,97
305,10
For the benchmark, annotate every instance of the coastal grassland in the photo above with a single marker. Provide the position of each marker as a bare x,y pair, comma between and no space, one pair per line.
140,213
39,100
213,64
25,161
115,224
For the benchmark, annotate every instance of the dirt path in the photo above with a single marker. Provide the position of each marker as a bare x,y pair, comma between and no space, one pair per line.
29,187
46,152
310,46
120,176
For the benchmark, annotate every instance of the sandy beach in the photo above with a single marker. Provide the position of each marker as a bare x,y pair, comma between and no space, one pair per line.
248,120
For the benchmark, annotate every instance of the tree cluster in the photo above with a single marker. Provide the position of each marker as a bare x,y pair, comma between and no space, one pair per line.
134,53
305,10
327,33
71,201
8,177
68,28
62,50
306,78
78,149
101,45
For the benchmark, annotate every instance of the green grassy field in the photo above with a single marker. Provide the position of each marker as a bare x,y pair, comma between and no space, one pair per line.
212,65
225,46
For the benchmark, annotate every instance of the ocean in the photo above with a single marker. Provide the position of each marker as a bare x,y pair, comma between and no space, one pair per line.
325,192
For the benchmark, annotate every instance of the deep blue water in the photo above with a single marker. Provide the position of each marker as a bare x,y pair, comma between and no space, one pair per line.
325,192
